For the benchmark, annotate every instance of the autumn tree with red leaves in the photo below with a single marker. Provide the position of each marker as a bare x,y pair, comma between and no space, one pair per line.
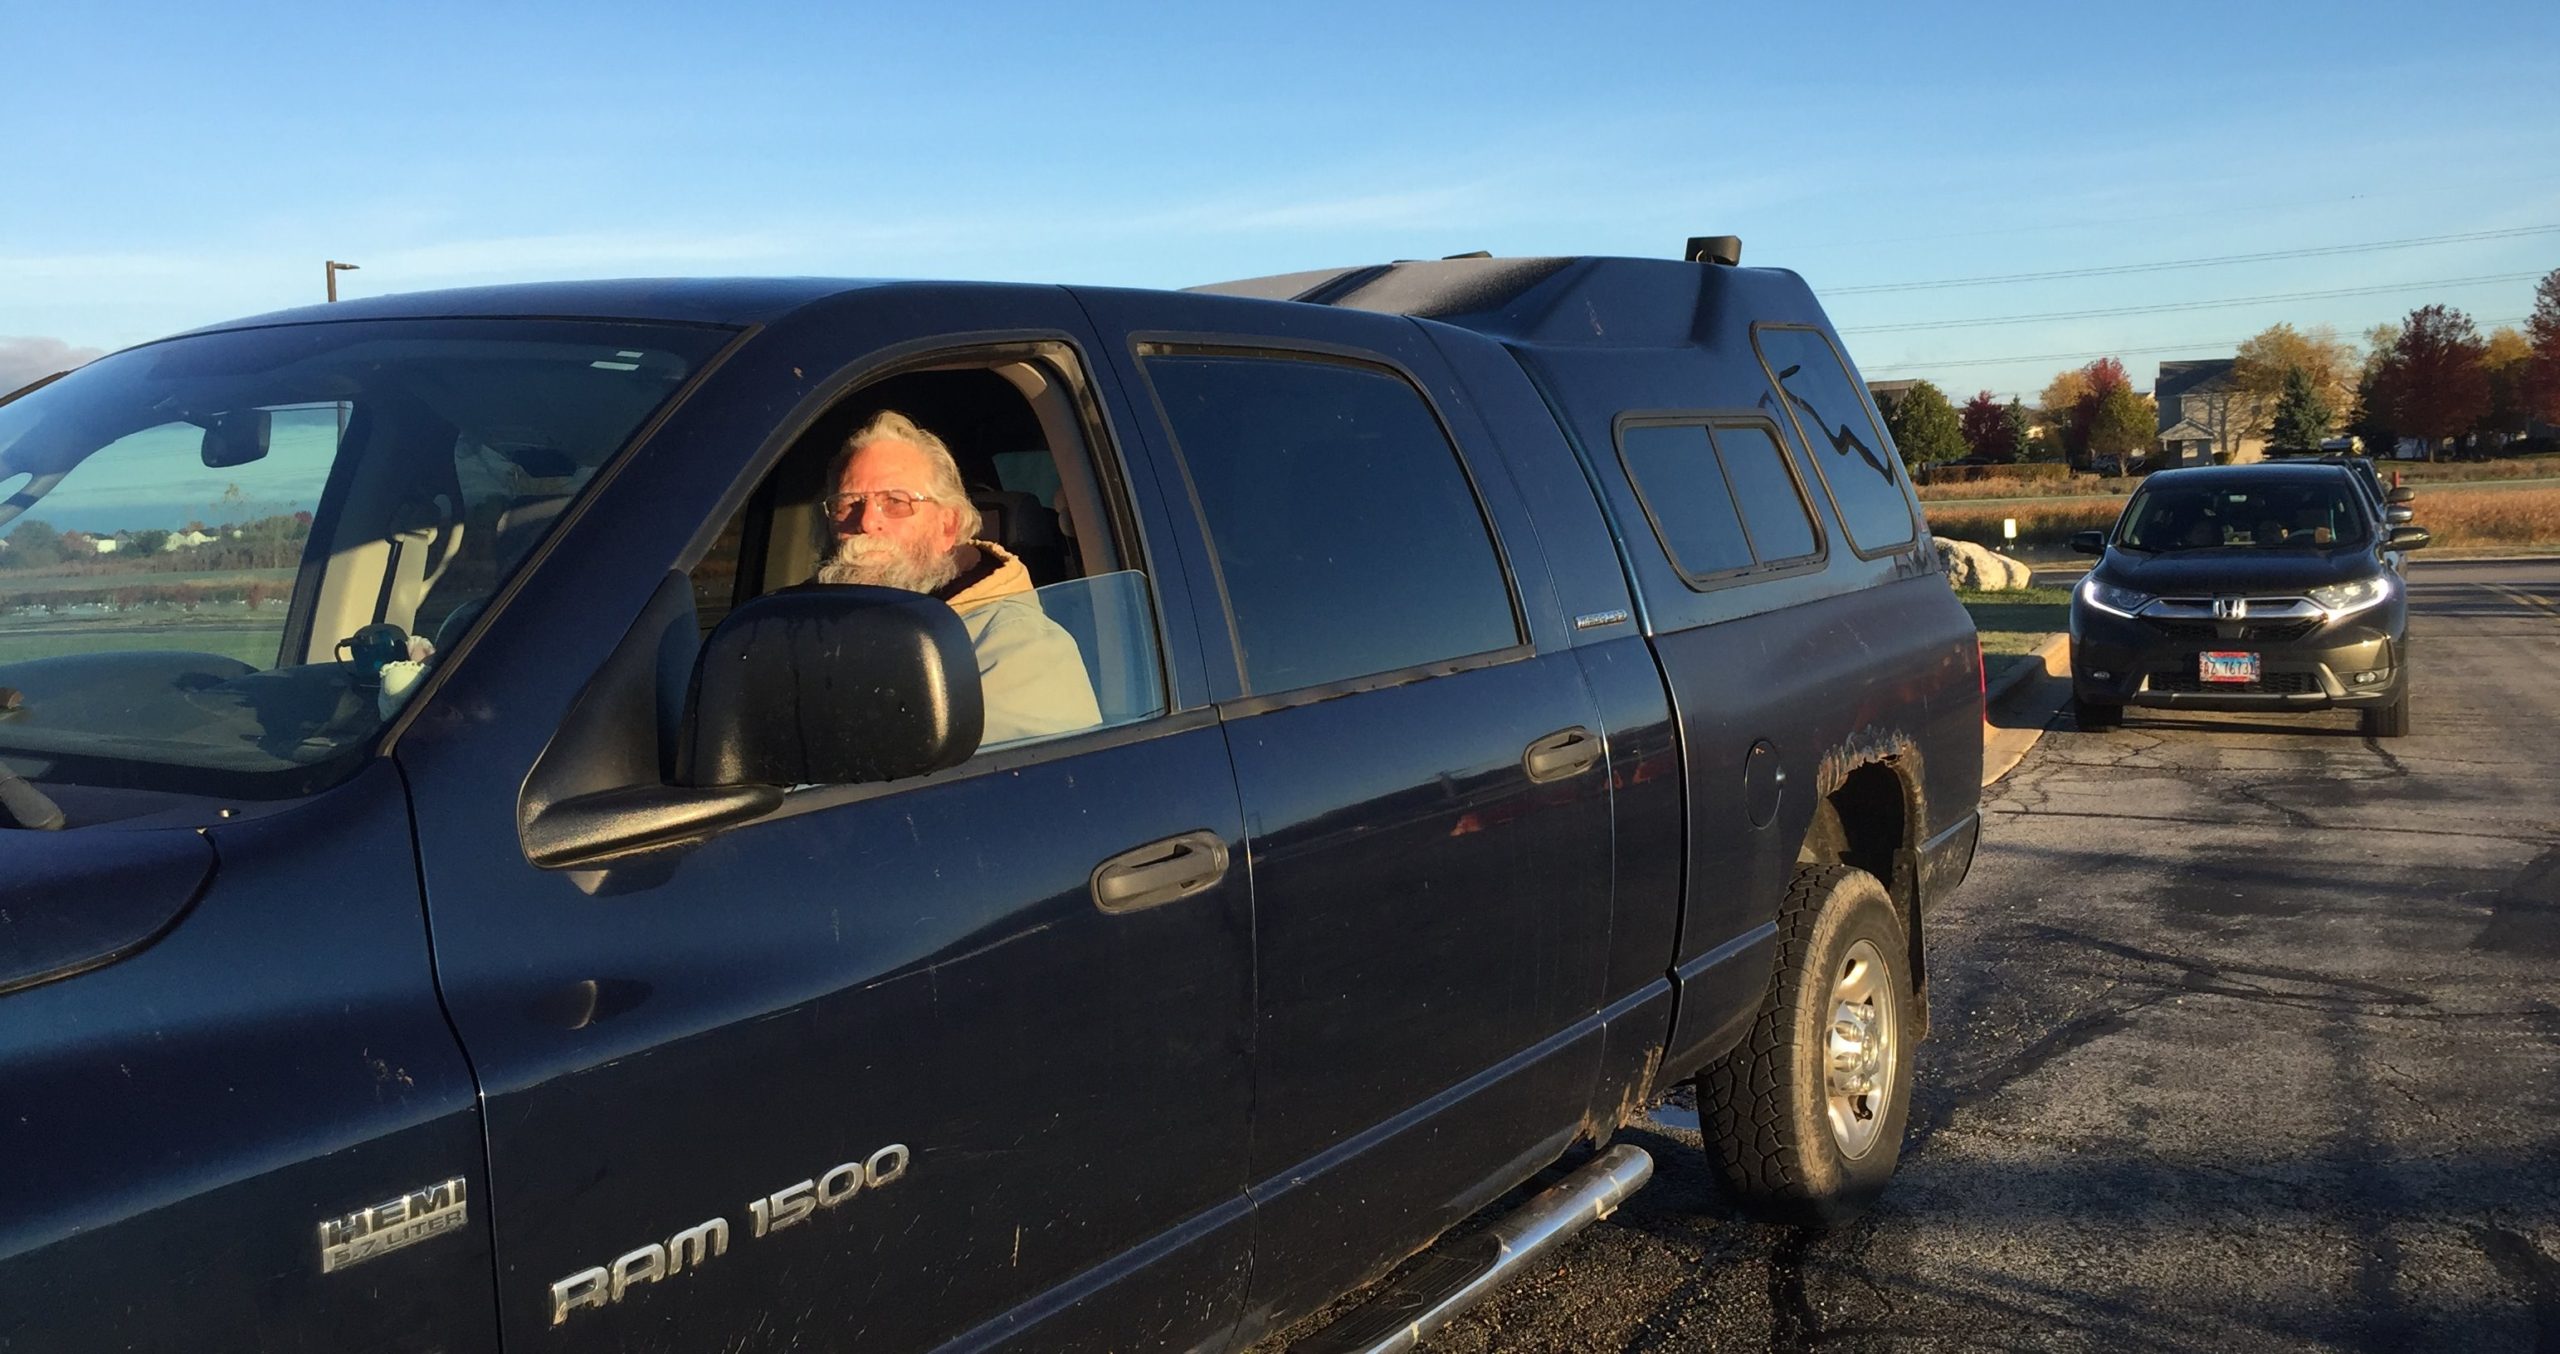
2542,373
1988,431
2435,382
2099,379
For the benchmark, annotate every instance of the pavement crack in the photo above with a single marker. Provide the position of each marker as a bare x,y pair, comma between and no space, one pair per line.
2292,816
2389,759
1795,1324
2399,1083
2374,993
2360,829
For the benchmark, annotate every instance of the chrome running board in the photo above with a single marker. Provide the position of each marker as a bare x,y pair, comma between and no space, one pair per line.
1453,1278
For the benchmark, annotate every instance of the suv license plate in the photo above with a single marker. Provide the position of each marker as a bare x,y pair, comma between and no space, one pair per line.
2227,667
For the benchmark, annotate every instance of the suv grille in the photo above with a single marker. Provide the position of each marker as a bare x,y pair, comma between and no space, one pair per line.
2271,632
2269,684
2279,631
2185,629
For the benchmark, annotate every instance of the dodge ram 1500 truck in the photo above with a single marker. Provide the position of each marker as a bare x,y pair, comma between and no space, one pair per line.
466,889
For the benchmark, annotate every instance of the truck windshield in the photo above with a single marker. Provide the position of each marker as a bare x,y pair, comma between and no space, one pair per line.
225,559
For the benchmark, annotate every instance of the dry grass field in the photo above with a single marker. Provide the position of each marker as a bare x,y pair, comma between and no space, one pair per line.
2515,518
2459,518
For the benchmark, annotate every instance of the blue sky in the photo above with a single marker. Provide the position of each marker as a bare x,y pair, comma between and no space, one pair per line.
172,165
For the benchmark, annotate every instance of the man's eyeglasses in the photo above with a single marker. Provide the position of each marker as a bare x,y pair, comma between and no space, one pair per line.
886,502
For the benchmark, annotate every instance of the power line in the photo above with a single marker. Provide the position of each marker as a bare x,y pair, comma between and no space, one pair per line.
2106,352
2118,222
2219,261
2166,307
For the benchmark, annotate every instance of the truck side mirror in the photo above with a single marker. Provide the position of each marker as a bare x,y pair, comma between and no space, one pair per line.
2399,516
2411,538
2401,494
2089,542
832,686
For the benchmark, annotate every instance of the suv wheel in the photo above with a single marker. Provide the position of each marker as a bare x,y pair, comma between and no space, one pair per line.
2388,721
1804,1118
2096,714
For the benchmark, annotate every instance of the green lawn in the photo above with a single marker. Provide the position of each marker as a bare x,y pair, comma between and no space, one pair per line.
2013,623
254,646
29,580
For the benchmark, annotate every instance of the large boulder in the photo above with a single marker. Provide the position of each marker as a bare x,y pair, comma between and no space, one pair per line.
1979,568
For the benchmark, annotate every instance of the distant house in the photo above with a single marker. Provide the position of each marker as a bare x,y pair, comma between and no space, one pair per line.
2203,411
183,539
107,545
1888,394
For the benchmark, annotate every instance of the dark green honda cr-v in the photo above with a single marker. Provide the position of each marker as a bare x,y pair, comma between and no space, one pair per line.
2260,587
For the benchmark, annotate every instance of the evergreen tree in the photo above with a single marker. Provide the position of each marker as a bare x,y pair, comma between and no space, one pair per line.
2016,417
2302,417
1925,428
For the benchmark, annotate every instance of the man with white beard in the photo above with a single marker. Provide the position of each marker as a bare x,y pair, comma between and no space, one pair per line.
900,518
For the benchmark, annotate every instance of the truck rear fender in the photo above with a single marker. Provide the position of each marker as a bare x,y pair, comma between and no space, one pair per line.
1872,798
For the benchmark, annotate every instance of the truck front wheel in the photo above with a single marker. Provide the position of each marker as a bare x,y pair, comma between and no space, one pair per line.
1804,1118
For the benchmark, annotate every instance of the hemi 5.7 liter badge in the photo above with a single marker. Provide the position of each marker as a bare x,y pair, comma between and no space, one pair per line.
392,1224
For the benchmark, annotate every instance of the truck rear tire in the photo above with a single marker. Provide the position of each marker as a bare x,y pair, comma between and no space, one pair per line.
1804,1118
2095,714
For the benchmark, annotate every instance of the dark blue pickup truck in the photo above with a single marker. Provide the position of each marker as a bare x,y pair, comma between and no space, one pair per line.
466,887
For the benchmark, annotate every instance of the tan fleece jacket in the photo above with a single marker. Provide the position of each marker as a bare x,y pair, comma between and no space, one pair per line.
1030,671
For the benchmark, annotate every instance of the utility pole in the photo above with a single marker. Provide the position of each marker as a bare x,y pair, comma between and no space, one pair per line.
330,268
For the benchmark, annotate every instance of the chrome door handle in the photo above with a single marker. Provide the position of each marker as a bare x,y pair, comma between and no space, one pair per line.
1160,872
1561,755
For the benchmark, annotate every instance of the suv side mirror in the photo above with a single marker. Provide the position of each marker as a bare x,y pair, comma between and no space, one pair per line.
2399,515
832,686
2410,538
2089,542
2401,494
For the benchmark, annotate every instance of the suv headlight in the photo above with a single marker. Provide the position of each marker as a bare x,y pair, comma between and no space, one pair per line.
2110,598
2345,599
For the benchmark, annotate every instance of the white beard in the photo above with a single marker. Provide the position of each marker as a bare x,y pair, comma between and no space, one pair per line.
874,562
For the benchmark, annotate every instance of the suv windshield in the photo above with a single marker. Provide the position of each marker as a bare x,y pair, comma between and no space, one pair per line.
2294,513
225,559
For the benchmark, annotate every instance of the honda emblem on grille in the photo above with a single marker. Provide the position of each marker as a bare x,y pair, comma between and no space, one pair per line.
2230,608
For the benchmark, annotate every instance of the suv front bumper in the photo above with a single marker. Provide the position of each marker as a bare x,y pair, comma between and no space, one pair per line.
2356,661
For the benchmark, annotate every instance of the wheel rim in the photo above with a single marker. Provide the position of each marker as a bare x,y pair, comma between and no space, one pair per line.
1860,1049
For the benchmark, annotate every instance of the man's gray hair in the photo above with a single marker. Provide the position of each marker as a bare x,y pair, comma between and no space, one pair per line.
891,426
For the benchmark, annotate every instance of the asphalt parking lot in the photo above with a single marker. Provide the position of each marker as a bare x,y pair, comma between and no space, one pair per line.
2247,1037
